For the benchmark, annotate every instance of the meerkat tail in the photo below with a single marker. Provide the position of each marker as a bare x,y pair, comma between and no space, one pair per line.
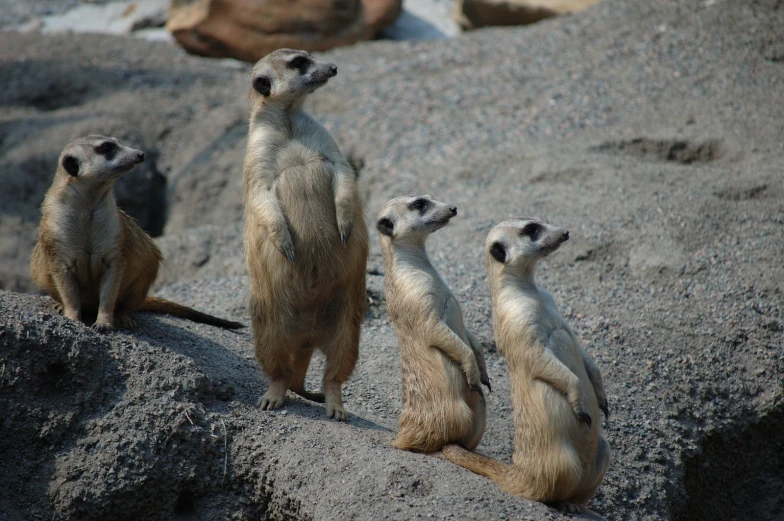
475,462
313,397
159,305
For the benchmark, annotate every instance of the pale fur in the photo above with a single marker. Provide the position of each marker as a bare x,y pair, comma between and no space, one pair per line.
91,257
560,455
441,361
306,242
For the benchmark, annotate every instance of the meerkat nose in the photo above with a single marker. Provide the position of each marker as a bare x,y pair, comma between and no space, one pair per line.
453,209
565,235
140,157
333,69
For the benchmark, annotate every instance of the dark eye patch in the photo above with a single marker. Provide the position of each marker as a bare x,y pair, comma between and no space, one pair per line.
420,205
107,149
300,63
532,230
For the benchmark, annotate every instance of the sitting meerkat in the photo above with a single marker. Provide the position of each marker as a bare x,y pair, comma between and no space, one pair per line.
441,362
560,455
91,257
306,243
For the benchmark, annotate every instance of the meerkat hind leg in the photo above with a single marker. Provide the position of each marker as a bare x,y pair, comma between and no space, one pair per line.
341,353
276,363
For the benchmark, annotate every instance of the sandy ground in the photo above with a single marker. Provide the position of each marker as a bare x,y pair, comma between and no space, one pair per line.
650,130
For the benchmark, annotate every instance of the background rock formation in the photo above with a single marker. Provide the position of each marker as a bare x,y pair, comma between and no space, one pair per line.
473,14
250,29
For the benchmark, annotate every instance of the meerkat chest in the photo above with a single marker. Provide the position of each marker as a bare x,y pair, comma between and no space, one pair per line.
88,238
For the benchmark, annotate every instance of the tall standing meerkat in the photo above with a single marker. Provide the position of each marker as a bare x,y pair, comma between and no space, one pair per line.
91,257
560,455
306,242
441,361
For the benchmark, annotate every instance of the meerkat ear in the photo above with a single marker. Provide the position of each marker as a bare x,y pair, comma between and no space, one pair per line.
262,85
71,165
498,251
385,226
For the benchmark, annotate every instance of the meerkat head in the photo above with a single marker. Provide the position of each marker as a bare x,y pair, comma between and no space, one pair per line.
413,218
521,242
287,75
97,160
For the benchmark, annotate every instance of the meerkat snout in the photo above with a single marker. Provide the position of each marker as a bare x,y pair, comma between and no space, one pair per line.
453,209
140,157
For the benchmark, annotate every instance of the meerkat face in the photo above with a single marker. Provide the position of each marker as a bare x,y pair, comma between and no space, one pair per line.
98,159
521,242
287,74
413,217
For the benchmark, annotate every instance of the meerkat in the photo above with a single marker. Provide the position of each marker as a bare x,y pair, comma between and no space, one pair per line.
91,257
306,243
441,361
560,455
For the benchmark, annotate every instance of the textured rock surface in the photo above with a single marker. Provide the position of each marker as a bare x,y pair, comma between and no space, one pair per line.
473,14
645,128
248,30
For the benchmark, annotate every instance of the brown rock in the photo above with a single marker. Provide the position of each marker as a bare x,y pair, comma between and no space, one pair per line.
250,29
472,14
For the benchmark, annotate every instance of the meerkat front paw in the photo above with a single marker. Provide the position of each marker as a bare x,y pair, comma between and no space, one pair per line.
486,381
102,327
579,411
125,322
72,313
473,378
344,228
604,406
287,248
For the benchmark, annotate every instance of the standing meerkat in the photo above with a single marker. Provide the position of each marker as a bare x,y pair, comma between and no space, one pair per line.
560,455
91,257
441,362
306,243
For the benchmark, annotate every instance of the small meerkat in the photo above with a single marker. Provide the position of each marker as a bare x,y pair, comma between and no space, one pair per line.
441,361
560,455
306,243
91,257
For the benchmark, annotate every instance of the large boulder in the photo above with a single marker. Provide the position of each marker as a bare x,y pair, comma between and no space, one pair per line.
249,29
472,14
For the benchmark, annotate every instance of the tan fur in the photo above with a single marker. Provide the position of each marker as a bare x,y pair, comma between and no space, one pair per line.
560,455
91,257
441,362
306,242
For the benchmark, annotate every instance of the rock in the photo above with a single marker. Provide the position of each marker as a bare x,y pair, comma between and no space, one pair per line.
250,30
472,14
122,17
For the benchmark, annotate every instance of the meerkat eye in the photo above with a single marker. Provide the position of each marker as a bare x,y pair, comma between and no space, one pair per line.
531,230
299,62
420,205
107,149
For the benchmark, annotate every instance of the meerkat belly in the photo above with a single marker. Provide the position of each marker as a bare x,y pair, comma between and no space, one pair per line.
306,196
93,250
429,376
